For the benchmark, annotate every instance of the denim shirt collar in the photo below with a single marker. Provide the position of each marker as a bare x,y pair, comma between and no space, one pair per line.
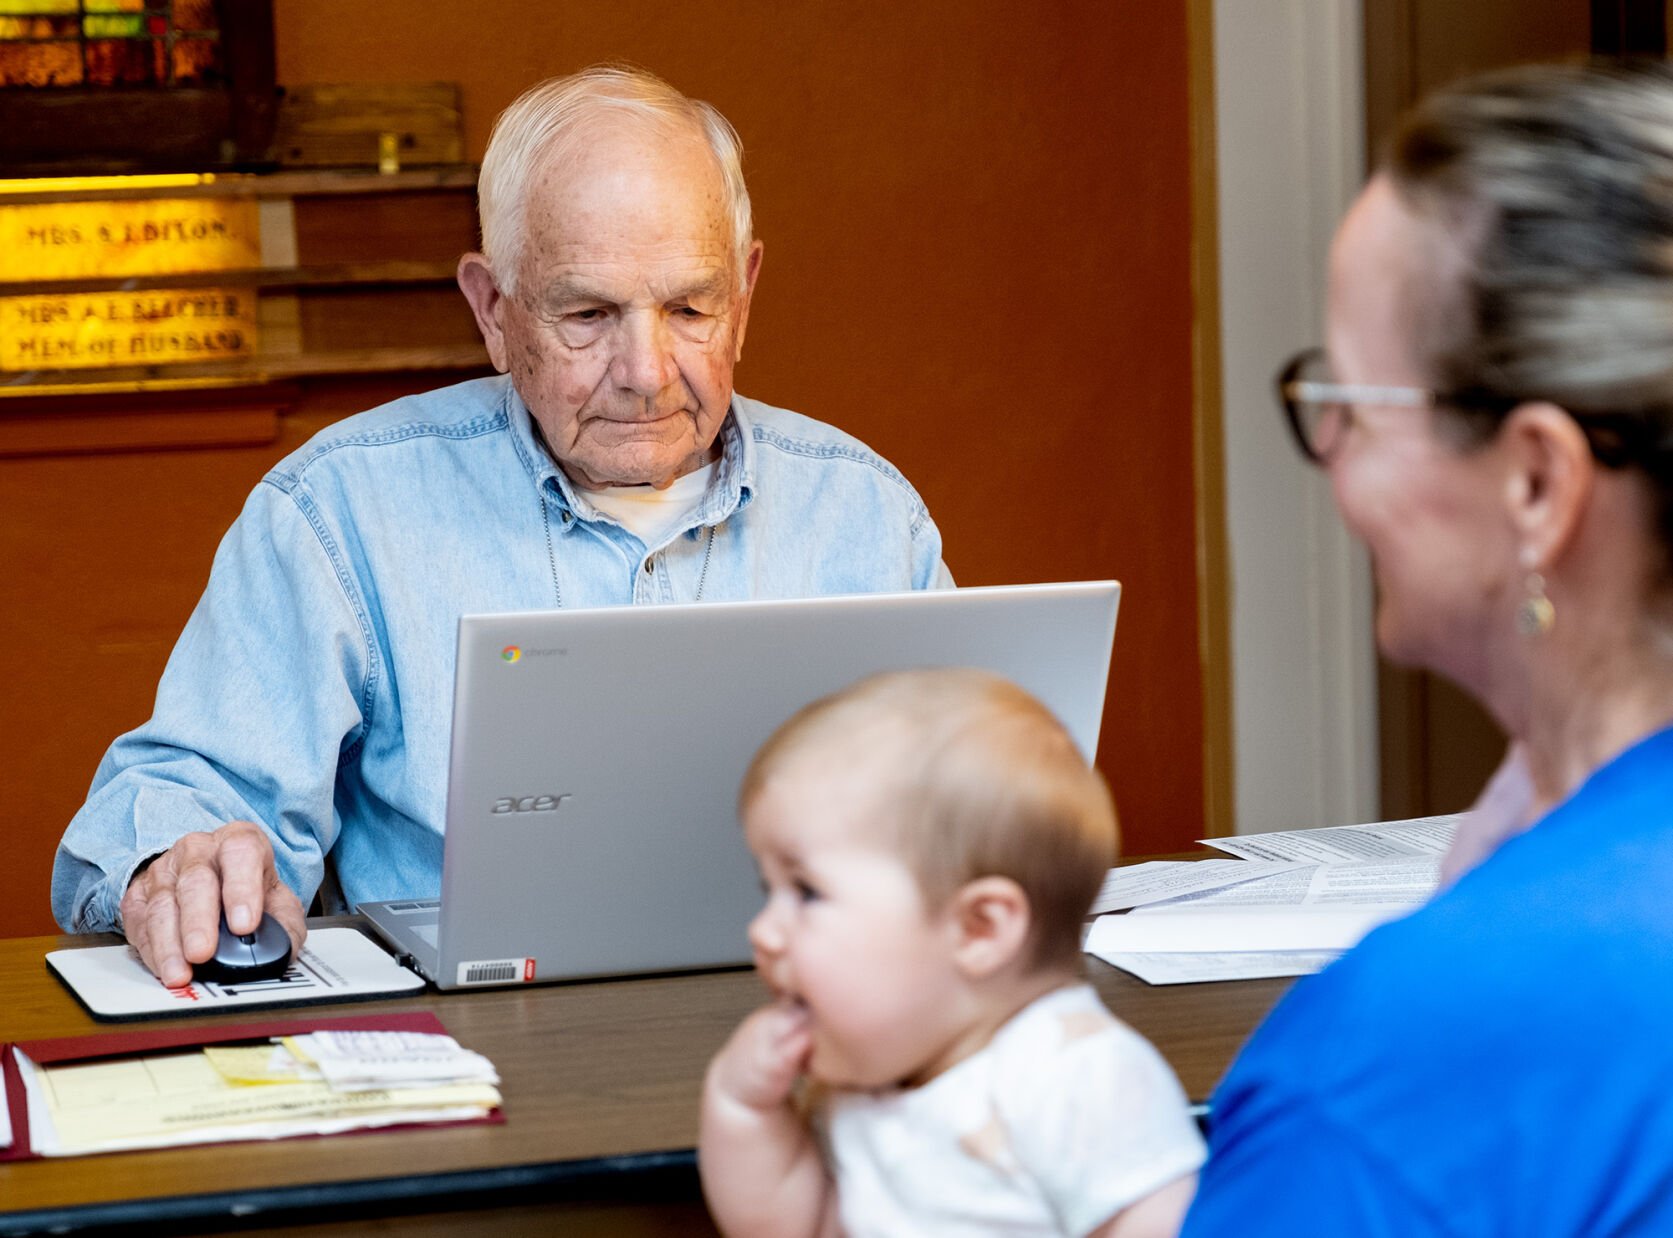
731,489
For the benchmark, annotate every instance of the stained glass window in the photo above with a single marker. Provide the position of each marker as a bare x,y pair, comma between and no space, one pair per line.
104,43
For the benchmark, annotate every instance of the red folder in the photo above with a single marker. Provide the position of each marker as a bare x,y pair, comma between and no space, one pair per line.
132,1044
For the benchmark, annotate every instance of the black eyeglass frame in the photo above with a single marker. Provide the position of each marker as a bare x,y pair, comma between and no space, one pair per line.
1294,392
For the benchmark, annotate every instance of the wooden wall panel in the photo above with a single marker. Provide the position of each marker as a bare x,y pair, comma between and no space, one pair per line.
418,318
108,522
359,228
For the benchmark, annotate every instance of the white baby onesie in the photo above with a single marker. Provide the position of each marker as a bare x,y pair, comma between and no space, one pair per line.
1066,1117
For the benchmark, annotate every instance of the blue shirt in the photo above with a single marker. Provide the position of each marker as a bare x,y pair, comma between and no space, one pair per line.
311,691
1498,1063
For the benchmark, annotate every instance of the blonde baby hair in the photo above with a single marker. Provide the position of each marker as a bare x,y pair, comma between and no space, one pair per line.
967,776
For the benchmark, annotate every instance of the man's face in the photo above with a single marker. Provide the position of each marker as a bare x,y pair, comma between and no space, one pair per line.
630,310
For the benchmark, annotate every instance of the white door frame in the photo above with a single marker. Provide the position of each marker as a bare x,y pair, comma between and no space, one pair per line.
1289,124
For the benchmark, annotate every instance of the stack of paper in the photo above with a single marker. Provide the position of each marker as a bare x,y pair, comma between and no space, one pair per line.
365,1061
314,1084
1293,902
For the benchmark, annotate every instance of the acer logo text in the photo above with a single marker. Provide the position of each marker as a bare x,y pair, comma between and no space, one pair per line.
530,803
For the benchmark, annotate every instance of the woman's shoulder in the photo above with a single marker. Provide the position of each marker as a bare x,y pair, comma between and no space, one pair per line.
1573,941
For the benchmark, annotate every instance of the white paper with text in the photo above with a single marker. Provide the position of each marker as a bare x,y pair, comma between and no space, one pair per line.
1154,881
1408,883
1380,840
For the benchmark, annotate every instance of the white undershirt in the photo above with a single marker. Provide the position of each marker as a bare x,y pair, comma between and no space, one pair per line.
648,513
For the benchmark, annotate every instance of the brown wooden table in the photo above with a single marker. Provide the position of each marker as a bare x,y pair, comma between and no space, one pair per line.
600,1082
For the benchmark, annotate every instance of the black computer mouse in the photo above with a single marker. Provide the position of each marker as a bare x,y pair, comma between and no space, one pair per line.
261,955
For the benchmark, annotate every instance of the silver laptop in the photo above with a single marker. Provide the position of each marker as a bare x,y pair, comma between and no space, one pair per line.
591,811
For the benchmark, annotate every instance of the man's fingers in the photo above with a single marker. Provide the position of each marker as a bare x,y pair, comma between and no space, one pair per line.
286,908
244,858
196,895
162,951
133,918
172,909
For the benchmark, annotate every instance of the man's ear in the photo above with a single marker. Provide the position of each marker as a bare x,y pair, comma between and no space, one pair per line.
1548,483
990,918
476,281
752,272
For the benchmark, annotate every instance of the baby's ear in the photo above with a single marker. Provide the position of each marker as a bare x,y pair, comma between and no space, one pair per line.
991,918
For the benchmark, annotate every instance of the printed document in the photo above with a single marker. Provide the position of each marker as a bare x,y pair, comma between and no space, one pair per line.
363,1061
1291,902
1321,907
1381,840
1403,883
1154,881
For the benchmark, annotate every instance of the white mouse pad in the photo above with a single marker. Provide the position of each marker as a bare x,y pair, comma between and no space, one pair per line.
336,965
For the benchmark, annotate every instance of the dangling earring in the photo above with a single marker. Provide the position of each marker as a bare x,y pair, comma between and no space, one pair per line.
1535,616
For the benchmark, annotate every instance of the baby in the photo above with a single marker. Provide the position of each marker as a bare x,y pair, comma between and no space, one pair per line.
930,843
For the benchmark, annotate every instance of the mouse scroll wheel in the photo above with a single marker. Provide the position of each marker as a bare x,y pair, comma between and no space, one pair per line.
249,939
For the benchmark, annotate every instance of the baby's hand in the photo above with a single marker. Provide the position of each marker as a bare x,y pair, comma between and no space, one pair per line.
761,1169
759,1065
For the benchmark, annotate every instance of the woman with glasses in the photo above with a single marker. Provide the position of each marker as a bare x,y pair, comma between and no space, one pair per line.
1494,413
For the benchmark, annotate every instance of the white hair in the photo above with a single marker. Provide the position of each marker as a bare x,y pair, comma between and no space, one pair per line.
542,123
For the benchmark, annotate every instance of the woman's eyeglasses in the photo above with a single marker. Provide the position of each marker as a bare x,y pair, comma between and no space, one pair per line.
1318,408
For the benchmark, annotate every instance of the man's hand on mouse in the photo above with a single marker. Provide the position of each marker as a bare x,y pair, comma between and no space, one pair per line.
172,910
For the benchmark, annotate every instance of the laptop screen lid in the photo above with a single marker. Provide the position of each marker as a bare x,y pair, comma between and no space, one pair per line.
591,816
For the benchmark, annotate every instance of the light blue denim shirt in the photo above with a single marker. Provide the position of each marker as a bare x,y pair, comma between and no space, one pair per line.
311,690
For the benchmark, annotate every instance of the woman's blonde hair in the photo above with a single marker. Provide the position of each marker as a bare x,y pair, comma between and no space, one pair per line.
964,775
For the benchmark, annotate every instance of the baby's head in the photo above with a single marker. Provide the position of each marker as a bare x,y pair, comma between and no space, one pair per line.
915,831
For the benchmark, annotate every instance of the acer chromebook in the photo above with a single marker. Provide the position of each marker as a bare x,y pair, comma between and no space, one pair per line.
592,787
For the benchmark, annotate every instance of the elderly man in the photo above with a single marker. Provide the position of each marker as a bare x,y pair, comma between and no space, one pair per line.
306,708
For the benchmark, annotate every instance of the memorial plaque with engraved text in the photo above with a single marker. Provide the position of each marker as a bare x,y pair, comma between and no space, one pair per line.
99,240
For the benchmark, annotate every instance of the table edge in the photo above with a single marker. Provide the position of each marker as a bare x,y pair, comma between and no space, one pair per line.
313,1201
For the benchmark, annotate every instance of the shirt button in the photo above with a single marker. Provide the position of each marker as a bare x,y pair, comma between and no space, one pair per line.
649,567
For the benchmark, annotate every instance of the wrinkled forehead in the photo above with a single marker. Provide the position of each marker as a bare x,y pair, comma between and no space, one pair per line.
622,162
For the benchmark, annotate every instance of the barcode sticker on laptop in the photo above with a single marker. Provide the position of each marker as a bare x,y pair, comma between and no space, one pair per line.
496,971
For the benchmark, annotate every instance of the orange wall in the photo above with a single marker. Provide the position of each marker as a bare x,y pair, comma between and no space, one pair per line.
977,228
